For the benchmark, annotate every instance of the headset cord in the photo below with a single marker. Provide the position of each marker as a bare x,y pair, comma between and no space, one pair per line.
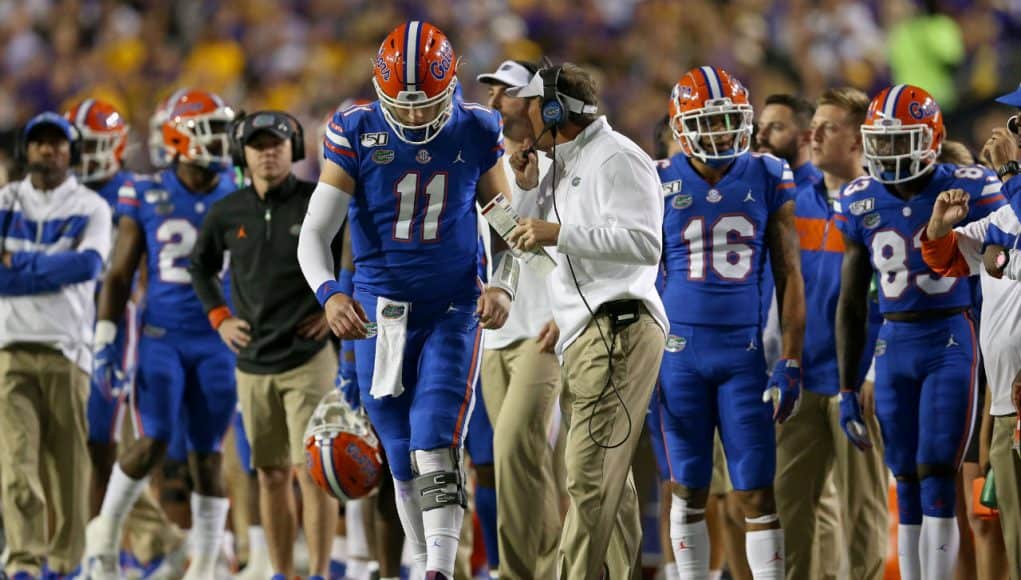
602,337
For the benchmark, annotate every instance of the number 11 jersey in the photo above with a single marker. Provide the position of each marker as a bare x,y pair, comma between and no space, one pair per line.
414,226
714,238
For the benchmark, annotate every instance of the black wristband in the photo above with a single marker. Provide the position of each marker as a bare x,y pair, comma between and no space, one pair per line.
1012,167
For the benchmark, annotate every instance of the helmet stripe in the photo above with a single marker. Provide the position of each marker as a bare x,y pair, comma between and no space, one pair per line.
330,470
890,106
83,112
411,54
713,81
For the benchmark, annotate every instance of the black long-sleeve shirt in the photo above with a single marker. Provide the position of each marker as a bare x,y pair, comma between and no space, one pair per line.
268,289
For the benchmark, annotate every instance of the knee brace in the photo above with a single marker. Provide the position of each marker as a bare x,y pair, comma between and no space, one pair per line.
438,478
938,491
909,500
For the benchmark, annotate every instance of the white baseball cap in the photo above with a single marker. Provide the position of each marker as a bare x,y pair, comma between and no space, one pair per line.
510,72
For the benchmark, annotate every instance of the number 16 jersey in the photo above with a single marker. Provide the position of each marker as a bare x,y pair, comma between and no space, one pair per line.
714,238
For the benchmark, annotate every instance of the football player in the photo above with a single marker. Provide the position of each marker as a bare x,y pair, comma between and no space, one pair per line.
926,354
725,210
411,166
104,133
183,364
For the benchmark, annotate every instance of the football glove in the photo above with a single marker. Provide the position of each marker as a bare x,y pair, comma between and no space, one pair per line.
851,420
107,376
784,389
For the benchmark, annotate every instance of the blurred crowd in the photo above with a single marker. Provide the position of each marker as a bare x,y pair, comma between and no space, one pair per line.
308,56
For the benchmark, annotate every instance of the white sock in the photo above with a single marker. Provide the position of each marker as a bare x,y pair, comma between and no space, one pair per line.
338,552
908,536
357,535
411,520
258,551
690,541
670,571
716,575
209,515
939,544
764,549
442,525
357,569
121,494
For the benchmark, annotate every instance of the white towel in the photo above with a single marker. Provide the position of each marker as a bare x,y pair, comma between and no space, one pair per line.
392,333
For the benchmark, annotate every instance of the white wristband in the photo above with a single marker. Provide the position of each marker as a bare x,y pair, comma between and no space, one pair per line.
506,273
106,333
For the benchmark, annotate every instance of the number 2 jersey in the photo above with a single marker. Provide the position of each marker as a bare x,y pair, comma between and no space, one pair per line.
170,217
891,228
414,226
714,239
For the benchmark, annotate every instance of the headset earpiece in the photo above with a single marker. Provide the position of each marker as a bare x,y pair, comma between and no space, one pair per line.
237,150
554,113
237,131
297,140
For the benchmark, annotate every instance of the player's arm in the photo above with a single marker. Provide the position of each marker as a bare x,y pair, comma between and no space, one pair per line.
117,284
852,312
327,211
785,258
494,303
205,265
951,251
491,184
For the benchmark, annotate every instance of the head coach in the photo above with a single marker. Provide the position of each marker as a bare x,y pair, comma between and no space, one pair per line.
285,363
605,196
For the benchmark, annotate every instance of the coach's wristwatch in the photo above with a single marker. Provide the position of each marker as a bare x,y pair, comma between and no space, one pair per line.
1002,259
1010,168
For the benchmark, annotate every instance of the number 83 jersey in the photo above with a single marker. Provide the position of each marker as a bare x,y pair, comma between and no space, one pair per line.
714,238
891,229
170,217
414,227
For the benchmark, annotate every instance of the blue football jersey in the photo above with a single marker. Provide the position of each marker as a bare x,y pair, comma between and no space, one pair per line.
892,228
170,217
110,190
714,246
414,225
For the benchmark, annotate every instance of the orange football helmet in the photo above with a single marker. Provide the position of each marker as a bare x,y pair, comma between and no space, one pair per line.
415,76
902,135
197,129
104,137
342,453
710,115
159,157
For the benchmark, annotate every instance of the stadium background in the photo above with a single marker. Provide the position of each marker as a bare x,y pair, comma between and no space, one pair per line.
307,56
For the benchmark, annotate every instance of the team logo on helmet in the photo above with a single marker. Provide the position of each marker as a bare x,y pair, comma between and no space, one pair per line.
342,453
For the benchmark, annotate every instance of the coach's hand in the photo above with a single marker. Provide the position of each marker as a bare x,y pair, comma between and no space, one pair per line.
1001,147
851,421
525,164
784,389
532,233
313,327
234,333
346,317
493,307
548,336
950,208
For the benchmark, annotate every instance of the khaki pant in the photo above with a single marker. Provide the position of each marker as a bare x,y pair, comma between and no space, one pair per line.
272,405
44,461
809,446
603,527
1007,468
148,531
520,386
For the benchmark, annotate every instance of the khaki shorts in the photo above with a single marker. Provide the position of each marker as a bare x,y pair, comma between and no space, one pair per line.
282,403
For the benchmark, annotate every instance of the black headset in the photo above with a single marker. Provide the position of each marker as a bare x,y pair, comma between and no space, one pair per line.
21,146
557,107
243,123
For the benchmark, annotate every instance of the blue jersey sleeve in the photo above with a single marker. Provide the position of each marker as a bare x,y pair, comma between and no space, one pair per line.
128,201
337,142
984,188
848,218
490,135
782,188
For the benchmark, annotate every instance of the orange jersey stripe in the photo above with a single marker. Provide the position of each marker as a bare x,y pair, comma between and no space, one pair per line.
991,199
814,235
469,388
